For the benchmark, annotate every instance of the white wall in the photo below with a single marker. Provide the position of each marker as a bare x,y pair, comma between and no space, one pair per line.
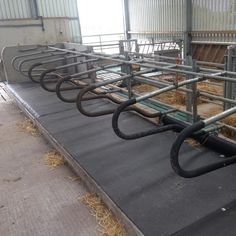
14,33
20,22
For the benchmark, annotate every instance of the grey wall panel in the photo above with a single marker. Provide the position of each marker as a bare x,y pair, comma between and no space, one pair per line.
16,9
19,9
214,20
55,31
60,19
74,32
58,8
214,15
161,19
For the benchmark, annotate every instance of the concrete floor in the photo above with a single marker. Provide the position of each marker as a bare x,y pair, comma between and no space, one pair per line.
35,200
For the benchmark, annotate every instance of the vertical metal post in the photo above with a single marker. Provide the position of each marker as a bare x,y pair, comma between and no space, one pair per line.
229,87
34,12
195,94
127,70
136,46
188,10
153,44
2,74
80,38
180,45
76,67
121,47
34,9
64,62
126,18
130,88
191,104
189,61
92,75
100,41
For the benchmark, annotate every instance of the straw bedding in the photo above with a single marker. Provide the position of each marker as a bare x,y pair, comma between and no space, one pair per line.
108,225
29,127
53,159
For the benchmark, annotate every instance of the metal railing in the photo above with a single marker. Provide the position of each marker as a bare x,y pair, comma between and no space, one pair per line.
112,43
104,43
91,83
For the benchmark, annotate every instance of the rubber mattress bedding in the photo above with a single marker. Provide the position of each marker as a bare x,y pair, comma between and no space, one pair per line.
136,174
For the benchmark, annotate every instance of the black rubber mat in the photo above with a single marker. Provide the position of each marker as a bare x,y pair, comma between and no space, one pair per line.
137,174
220,222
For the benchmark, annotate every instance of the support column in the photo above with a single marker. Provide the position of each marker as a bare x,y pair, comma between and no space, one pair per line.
34,9
79,25
188,13
192,97
126,18
229,87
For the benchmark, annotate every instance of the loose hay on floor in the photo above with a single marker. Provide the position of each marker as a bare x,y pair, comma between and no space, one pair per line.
211,88
230,120
29,127
192,142
53,159
108,224
176,97
172,97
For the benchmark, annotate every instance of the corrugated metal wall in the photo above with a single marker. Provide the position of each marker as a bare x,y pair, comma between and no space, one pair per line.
57,8
62,8
161,19
74,31
213,15
22,9
18,9
15,9
214,20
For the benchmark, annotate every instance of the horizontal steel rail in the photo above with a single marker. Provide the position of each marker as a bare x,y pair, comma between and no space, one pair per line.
148,65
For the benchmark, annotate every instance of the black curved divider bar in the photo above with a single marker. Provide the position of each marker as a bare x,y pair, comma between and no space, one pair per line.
43,76
159,129
90,89
51,54
14,59
59,89
213,142
174,154
80,98
78,77
31,68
